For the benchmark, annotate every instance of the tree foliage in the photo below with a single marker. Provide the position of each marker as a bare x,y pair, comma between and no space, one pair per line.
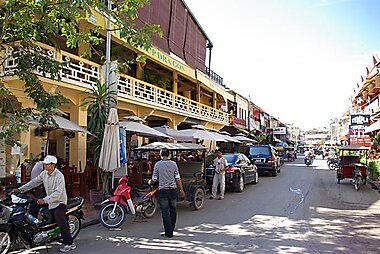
24,22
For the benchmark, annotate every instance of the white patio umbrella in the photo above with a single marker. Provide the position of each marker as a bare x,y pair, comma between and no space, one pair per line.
109,159
201,134
175,134
244,138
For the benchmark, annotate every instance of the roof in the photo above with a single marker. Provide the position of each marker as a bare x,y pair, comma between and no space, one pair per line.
156,146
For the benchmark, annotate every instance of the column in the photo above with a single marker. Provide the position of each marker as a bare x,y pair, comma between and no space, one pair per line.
198,92
175,82
78,152
139,69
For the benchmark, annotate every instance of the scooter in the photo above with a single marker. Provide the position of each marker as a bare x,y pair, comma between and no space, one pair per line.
20,229
114,209
333,163
357,180
308,161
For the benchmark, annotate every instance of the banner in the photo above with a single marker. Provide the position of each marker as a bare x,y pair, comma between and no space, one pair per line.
279,130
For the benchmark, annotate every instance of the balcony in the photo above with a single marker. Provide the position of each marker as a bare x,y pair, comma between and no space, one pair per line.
84,73
238,122
214,77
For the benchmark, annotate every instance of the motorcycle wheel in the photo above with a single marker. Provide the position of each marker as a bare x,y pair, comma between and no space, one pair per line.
5,242
150,208
199,199
75,224
358,183
111,219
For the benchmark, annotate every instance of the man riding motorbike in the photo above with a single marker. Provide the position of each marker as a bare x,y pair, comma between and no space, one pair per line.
308,155
54,184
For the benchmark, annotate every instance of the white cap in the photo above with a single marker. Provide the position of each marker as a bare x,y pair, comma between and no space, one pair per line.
50,159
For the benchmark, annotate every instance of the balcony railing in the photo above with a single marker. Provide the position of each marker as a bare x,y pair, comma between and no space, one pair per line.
237,121
84,73
213,76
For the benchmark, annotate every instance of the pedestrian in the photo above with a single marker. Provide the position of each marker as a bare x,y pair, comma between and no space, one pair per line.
220,165
167,174
56,198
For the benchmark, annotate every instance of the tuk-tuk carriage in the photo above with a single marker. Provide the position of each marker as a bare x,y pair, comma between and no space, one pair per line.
353,164
290,154
190,159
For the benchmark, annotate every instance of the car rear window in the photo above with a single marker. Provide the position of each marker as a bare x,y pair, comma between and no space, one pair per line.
231,158
259,151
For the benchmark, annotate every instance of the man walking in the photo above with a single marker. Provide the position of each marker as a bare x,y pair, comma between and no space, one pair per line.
167,174
54,183
220,165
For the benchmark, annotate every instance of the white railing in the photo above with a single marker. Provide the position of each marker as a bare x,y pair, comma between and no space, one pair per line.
138,90
82,72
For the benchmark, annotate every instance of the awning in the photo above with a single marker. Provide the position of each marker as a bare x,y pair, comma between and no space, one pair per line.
64,124
373,127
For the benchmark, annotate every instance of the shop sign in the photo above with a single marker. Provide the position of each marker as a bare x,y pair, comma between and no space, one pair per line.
279,130
360,119
360,141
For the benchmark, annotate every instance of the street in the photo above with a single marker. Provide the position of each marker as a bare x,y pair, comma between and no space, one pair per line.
302,210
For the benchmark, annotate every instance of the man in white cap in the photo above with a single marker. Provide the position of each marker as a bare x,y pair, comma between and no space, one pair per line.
56,198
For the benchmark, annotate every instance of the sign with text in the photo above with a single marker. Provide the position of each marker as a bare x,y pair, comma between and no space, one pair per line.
279,130
360,119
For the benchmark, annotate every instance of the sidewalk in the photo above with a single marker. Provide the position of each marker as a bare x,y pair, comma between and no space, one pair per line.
374,184
91,215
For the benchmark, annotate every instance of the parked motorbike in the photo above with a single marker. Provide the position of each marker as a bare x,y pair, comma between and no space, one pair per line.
20,229
114,209
357,180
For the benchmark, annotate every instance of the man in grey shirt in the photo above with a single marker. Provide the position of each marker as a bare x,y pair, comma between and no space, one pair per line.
167,174
56,198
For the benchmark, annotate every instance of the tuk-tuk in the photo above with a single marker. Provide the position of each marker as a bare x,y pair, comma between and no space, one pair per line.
353,164
190,159
290,154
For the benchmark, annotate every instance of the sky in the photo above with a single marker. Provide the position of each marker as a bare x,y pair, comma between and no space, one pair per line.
299,60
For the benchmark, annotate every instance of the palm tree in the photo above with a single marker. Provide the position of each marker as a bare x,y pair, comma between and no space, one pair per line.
96,101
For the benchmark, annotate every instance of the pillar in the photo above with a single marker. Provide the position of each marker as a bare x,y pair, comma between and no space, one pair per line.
139,69
198,92
175,82
25,137
78,151
214,100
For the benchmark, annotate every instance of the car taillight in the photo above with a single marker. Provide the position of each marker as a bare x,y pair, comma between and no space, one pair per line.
271,159
231,169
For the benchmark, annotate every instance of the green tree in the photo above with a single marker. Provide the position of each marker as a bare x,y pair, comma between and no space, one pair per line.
27,21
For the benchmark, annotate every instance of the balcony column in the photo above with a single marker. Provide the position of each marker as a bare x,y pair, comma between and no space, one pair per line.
139,69
175,82
214,100
78,152
198,92
26,136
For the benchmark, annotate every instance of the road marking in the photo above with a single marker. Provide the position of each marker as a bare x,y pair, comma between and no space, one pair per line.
298,192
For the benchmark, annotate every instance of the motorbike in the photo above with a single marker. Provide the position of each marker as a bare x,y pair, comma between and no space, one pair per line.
333,163
114,209
357,180
308,161
20,229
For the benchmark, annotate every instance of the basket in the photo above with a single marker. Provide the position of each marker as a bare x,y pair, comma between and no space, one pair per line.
5,214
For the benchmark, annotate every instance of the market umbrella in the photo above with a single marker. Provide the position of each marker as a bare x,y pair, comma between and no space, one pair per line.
282,143
109,160
243,138
175,134
139,129
60,123
201,134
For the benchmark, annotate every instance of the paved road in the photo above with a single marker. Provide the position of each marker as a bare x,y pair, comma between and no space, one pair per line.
302,210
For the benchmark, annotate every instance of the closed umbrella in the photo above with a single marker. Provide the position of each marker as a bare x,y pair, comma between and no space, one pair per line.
109,159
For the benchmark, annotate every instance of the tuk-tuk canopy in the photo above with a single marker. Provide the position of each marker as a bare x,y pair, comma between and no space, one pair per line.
156,146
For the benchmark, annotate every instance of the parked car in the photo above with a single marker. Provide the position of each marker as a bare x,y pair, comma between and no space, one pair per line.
265,159
240,171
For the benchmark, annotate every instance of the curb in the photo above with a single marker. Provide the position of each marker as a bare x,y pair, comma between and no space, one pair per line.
374,185
93,220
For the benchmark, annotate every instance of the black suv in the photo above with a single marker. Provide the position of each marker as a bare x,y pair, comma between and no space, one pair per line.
265,159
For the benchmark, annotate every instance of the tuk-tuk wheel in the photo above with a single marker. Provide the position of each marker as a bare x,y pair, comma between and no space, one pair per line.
198,198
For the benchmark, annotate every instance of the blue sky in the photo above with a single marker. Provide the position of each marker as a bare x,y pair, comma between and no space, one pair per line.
297,59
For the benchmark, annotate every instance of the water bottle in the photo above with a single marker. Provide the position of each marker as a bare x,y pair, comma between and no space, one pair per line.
31,218
54,232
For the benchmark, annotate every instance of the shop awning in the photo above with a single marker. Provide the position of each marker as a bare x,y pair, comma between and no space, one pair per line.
373,127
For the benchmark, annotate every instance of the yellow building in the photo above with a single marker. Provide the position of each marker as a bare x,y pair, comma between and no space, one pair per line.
165,90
